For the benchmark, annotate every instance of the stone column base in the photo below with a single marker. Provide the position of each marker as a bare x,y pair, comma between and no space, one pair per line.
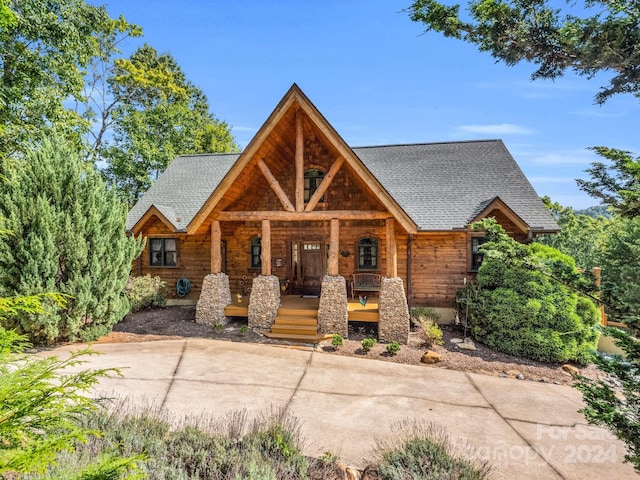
393,311
214,296
264,302
333,315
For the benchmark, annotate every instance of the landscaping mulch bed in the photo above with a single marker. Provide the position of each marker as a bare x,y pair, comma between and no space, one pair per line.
179,322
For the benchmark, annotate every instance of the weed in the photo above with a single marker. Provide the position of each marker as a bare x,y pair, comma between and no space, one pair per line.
217,327
244,330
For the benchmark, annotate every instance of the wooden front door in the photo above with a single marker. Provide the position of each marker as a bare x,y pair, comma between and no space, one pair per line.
309,263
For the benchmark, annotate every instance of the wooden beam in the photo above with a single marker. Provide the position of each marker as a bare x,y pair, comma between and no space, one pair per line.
324,185
278,215
299,163
334,247
275,186
392,249
266,247
216,251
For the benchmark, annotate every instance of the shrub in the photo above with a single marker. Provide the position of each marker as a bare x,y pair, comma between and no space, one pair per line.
146,292
244,330
431,331
337,341
425,451
393,348
421,313
368,344
217,327
526,302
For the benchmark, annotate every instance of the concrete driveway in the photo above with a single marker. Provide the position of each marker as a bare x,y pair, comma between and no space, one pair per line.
525,429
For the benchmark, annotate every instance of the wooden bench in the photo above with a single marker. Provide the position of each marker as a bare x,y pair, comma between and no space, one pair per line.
365,282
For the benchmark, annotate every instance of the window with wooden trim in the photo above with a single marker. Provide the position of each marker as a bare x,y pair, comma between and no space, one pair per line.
312,179
367,254
256,252
163,252
476,254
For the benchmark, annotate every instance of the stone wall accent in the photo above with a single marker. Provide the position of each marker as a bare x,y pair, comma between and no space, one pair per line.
393,311
214,296
264,302
333,315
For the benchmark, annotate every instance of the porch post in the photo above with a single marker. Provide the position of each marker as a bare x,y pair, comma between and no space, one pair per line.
392,249
266,248
216,241
332,269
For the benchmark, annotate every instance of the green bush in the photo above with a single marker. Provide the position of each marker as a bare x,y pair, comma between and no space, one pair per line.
368,344
421,313
393,348
527,303
426,452
337,341
244,330
146,292
431,331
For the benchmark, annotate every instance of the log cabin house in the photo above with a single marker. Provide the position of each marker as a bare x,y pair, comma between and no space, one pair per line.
299,212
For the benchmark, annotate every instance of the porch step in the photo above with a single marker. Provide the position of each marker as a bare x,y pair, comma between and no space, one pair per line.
290,320
295,329
318,337
297,312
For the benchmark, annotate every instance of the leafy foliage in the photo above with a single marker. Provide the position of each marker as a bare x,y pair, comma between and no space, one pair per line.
146,292
45,47
527,304
337,341
160,115
75,244
393,348
617,409
368,344
592,36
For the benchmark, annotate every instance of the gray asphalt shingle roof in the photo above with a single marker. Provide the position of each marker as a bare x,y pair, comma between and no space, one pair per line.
440,186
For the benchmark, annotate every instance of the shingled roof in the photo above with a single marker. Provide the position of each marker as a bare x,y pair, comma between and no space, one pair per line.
440,186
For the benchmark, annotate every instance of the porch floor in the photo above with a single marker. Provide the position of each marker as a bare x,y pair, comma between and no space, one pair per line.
356,312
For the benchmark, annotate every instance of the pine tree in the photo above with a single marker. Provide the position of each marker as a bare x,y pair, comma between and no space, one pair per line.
67,236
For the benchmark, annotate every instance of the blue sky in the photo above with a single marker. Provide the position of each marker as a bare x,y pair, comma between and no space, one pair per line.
378,80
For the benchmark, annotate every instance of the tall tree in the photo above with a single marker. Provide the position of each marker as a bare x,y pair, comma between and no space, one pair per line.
67,236
45,46
159,116
587,37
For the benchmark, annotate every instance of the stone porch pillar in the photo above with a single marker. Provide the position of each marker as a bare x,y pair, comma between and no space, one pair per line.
393,311
214,296
264,302
333,315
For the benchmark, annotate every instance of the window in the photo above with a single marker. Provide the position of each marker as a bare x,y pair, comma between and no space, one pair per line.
368,254
256,252
476,255
312,179
163,252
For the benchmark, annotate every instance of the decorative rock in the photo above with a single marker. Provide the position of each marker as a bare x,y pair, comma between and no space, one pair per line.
393,322
513,373
570,369
370,473
467,346
431,357
503,375
333,314
264,302
215,294
456,340
520,376
347,473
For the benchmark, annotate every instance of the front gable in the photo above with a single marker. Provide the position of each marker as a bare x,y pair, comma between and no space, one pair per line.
267,180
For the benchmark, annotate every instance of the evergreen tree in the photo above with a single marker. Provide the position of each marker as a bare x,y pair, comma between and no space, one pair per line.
67,236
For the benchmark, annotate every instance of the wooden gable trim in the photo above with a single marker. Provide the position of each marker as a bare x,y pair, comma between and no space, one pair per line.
152,212
275,186
295,96
498,204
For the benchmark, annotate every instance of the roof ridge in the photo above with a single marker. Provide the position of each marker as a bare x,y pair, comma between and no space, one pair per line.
483,140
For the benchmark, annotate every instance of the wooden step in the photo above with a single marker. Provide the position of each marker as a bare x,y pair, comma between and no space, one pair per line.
318,337
296,312
286,320
295,329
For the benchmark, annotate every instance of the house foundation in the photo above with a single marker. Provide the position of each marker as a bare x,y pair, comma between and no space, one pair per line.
214,296
333,314
393,311
264,302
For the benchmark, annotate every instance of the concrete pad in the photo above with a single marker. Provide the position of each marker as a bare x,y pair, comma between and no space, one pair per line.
578,452
137,391
353,376
531,401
